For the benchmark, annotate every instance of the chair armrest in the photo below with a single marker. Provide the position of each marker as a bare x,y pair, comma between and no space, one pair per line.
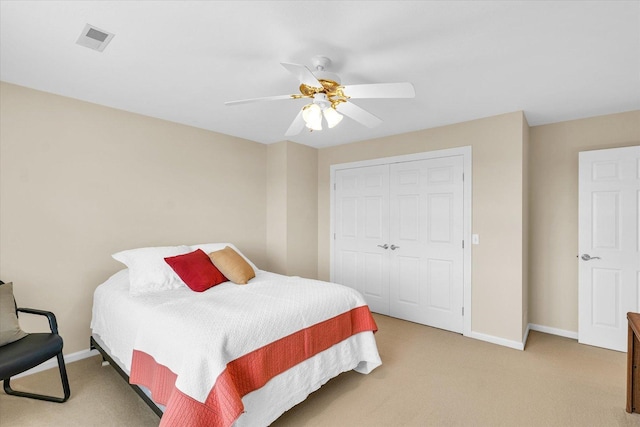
53,324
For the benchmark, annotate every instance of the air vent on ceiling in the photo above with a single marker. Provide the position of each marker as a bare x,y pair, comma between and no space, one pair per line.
94,38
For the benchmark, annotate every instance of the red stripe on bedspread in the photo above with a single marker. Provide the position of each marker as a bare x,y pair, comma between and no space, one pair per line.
245,374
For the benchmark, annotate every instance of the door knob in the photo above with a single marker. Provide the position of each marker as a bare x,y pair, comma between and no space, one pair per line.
394,247
385,246
588,257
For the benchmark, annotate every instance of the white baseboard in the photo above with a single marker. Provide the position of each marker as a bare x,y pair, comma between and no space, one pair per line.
497,340
53,363
521,345
526,336
553,331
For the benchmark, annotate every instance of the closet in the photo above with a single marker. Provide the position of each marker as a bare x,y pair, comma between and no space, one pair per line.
398,238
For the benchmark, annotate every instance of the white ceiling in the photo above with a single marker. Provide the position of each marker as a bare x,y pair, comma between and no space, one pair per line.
181,60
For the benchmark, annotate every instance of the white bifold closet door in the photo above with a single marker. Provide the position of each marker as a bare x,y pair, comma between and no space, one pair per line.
361,231
399,233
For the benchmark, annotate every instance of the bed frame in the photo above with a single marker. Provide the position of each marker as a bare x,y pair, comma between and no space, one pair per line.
95,344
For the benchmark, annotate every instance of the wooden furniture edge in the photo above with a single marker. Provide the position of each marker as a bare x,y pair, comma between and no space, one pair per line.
632,335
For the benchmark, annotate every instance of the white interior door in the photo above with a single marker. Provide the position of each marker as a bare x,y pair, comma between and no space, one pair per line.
426,237
609,239
362,230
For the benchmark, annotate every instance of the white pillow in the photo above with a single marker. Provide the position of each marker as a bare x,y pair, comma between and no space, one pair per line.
207,248
148,271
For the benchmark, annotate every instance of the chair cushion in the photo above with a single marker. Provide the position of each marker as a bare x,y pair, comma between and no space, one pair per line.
9,327
27,353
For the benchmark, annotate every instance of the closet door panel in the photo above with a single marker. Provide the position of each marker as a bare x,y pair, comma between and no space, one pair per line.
407,227
439,218
430,232
408,280
361,224
441,284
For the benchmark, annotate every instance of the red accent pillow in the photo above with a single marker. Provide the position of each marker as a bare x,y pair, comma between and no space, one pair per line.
196,270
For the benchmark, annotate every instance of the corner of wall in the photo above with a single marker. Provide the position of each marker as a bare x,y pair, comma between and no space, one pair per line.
525,227
292,212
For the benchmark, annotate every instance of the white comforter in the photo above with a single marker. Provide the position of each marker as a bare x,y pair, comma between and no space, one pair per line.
197,347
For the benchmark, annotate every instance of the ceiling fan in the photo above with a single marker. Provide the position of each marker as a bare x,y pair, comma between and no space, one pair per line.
331,100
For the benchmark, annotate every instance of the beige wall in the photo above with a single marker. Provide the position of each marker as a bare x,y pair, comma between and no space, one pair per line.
302,189
79,182
553,196
292,209
498,210
277,208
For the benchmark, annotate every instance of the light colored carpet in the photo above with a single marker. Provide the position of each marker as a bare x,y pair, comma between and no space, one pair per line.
429,377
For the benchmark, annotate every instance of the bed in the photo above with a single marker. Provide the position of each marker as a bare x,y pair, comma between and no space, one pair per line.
232,354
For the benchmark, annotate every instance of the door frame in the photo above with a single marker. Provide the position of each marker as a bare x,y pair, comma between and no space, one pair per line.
466,154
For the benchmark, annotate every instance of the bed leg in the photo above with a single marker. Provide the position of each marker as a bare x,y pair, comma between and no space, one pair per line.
92,346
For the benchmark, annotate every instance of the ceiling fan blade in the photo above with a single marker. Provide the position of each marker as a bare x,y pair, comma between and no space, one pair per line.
302,73
358,114
296,126
380,90
267,98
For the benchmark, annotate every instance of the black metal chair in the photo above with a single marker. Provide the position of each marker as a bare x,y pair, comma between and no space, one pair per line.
29,352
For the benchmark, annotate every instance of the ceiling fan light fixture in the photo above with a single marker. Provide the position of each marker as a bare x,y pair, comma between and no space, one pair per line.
332,117
312,115
326,94
321,100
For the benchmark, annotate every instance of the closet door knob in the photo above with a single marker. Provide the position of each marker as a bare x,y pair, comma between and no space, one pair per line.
385,246
394,247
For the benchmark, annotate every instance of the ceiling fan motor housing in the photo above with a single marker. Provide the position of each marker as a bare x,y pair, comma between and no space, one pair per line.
326,75
320,65
320,62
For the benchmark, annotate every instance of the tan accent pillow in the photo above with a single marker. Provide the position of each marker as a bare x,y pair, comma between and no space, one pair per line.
232,265
9,327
